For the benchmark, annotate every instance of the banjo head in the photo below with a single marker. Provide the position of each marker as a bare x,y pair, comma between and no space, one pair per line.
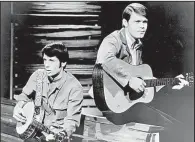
28,112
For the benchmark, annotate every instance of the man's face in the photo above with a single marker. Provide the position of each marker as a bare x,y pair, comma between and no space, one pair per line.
52,65
137,25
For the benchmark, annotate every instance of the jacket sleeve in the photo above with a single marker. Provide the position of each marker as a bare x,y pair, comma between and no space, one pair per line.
74,109
117,68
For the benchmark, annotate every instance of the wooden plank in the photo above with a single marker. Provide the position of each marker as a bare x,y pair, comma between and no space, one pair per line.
91,111
54,20
84,44
49,27
74,69
67,6
59,15
68,34
9,138
72,43
89,103
37,56
20,78
5,101
68,67
62,7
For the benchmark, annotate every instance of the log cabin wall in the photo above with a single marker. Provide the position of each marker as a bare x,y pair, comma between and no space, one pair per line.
36,24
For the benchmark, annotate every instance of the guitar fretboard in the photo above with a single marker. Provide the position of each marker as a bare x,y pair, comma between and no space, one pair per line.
161,81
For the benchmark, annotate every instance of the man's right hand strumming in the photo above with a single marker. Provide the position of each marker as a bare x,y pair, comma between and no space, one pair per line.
137,84
18,111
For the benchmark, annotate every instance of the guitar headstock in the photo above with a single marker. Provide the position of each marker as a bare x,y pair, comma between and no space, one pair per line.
190,78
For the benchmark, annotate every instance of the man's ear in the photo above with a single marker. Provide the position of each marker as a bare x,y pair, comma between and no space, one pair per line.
63,64
125,23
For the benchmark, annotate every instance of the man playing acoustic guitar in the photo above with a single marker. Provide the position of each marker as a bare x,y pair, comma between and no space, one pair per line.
124,47
61,96
119,51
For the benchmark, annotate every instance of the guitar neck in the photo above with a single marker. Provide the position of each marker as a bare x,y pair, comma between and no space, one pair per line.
161,81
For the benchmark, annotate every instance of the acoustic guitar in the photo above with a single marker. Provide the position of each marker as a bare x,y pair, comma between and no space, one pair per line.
110,97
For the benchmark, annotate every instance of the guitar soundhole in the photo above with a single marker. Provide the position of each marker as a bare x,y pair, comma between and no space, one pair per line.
133,95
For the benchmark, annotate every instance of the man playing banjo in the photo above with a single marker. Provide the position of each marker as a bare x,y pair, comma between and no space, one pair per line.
61,97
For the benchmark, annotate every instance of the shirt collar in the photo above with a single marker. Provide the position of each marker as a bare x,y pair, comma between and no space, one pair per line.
58,80
58,77
131,41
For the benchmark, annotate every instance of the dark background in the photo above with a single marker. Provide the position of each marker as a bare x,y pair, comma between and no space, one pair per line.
169,41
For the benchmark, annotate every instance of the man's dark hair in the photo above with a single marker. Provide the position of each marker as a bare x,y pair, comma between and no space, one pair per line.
134,7
56,49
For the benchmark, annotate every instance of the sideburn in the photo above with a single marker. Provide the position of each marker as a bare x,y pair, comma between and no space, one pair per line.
61,66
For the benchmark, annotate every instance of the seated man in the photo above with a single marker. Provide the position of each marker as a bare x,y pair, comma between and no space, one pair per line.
61,96
124,47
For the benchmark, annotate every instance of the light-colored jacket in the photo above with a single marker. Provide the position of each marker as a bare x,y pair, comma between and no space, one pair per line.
64,97
114,54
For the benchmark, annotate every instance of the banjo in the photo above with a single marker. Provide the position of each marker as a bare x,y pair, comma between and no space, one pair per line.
33,125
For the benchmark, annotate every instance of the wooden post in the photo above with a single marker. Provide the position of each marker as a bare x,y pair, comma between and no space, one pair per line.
12,55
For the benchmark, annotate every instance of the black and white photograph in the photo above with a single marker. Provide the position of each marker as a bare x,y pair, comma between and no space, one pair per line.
97,71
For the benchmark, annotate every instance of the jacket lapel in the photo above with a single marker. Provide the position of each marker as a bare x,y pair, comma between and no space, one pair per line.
124,40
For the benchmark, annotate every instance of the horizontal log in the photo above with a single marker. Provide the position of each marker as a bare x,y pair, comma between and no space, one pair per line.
9,138
59,15
70,68
20,78
72,43
68,34
49,27
84,78
91,111
20,48
60,19
5,103
76,7
36,57
89,103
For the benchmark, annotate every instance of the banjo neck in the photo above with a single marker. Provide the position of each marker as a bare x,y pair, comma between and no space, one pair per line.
41,127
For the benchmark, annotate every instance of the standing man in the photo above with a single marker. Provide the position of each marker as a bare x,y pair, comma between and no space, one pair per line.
61,97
